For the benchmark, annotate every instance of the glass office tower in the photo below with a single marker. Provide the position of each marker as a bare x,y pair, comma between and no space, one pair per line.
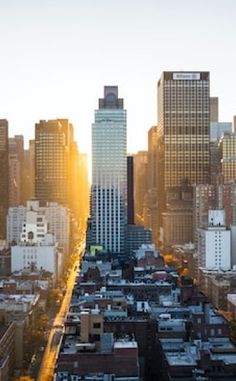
109,173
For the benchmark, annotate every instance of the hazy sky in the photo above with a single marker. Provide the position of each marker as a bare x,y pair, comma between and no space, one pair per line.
56,56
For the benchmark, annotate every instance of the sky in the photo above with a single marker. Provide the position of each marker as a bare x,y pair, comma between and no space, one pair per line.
57,55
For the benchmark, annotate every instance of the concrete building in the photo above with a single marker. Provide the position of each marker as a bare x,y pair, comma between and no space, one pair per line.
53,218
41,256
228,156
109,173
136,236
204,199
177,223
28,186
140,183
130,190
217,196
214,242
150,212
217,130
16,162
37,248
214,109
4,176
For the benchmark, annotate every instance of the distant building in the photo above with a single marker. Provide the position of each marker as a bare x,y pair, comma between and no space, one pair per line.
53,144
136,236
28,186
140,184
178,223
150,211
4,176
228,156
214,109
16,161
217,131
130,190
204,199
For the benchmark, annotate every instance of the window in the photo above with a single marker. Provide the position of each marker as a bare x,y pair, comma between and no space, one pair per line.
96,325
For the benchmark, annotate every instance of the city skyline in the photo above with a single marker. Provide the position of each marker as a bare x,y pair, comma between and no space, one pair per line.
73,49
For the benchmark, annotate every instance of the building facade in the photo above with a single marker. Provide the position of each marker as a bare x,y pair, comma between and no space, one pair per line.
3,176
109,172
53,141
228,156
214,242
53,217
183,132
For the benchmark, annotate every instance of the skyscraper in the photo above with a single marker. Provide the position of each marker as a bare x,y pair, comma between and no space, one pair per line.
28,188
16,162
140,184
109,172
130,189
183,133
214,109
53,141
3,176
228,156
184,127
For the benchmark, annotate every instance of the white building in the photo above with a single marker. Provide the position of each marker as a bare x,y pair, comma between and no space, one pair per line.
214,242
54,215
109,172
42,256
37,248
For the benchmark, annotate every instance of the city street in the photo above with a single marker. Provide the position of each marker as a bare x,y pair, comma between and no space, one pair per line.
51,351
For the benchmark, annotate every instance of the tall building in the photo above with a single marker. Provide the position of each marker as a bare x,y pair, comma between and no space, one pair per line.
53,142
150,210
3,176
28,188
152,157
184,128
228,156
214,109
140,184
234,123
16,162
109,172
130,190
183,132
204,198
